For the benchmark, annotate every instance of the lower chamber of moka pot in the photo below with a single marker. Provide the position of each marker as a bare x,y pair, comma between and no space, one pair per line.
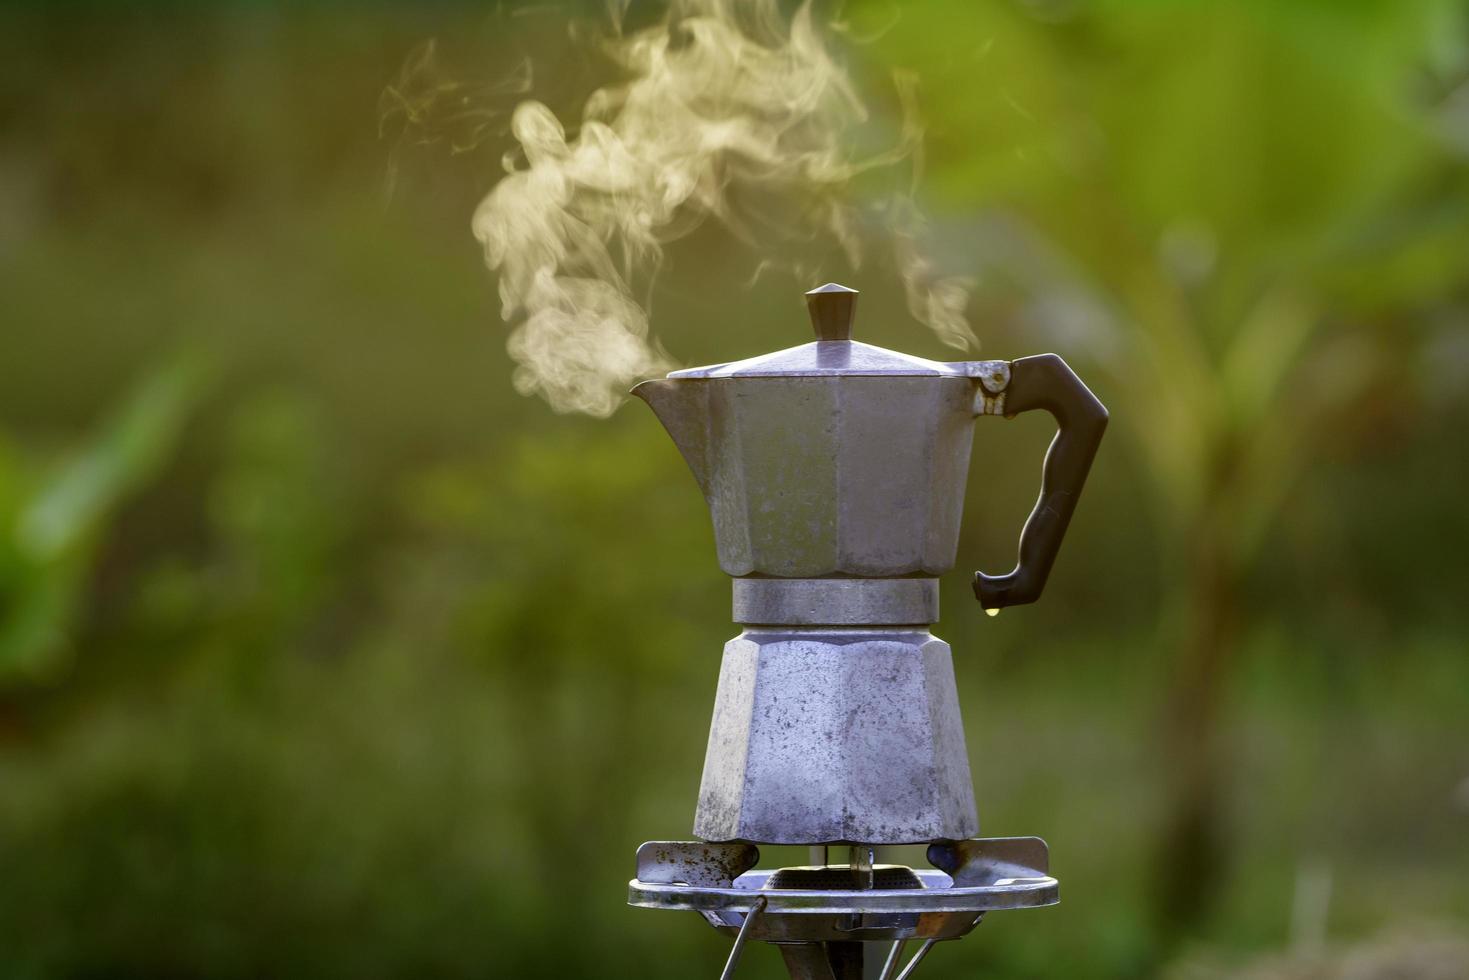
827,912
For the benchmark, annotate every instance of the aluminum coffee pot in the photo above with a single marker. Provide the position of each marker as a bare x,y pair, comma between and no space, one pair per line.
835,475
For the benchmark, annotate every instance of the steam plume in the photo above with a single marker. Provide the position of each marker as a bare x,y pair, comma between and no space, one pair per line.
724,102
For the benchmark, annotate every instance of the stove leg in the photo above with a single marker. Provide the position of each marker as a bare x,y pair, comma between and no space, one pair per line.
739,943
823,961
807,961
846,960
890,965
917,958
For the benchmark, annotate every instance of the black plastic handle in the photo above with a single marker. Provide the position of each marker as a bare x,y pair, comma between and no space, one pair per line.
1045,381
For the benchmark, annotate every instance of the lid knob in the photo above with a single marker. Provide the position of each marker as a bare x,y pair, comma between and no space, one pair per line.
832,308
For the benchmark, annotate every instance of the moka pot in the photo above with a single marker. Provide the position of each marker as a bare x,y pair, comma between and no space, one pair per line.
835,475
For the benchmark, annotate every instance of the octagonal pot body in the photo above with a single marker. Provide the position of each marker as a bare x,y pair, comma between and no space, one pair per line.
826,735
811,477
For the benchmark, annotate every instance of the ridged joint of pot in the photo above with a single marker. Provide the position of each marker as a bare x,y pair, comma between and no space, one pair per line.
869,483
994,379
828,735
836,601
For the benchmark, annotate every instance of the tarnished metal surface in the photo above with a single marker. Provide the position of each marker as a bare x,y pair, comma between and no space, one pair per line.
995,861
994,378
836,601
824,735
694,862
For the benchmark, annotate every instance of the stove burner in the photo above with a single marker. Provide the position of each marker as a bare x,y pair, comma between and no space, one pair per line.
821,920
839,877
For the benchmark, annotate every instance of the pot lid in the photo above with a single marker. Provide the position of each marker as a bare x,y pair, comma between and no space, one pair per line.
834,352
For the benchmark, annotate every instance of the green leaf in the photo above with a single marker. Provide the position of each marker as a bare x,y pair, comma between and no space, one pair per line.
53,533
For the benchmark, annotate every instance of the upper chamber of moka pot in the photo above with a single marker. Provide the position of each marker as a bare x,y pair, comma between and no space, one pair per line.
837,460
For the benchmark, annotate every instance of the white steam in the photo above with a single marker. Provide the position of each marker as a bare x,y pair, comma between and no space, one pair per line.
725,101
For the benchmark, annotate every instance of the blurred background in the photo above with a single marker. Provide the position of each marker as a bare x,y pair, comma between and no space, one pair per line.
323,653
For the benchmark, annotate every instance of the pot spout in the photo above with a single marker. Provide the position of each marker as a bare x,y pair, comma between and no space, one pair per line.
683,408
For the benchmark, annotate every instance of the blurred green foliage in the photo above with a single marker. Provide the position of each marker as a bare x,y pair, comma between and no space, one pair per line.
1242,225
339,659
54,512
